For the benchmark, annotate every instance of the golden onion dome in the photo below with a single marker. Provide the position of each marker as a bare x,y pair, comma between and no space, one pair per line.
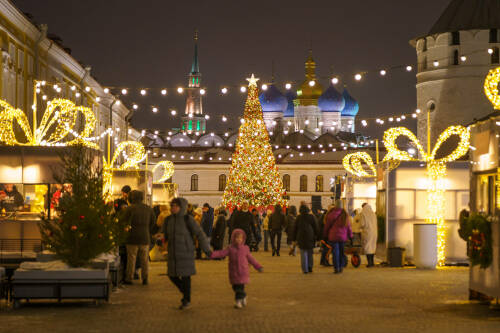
310,90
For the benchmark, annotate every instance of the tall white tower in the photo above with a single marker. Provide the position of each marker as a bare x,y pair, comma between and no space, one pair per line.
453,60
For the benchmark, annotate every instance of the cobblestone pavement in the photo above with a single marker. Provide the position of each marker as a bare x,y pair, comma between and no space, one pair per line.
281,299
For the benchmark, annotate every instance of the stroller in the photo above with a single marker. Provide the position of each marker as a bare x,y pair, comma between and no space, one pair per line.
352,247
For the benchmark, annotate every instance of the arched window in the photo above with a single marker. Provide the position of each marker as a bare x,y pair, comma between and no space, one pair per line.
455,57
493,36
319,183
495,58
286,183
222,182
303,183
194,183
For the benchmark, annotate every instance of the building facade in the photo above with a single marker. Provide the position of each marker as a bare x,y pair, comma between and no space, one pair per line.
204,180
30,53
453,60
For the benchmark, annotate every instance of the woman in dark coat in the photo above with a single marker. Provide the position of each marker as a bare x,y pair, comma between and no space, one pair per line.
217,240
304,234
179,230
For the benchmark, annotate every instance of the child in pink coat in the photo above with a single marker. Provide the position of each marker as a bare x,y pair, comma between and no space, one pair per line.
239,258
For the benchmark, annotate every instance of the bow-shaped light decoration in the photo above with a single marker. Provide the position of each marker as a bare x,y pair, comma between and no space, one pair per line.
491,87
168,170
57,122
353,164
436,170
134,153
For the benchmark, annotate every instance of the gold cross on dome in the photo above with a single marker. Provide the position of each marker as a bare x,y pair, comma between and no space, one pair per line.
252,81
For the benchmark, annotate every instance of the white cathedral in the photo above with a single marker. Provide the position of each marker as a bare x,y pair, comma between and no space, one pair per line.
310,109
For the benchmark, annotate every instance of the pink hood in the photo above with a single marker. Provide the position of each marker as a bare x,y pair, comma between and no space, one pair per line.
233,237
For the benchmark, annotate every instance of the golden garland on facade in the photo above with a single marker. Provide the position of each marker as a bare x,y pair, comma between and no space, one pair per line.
168,170
134,153
436,171
58,121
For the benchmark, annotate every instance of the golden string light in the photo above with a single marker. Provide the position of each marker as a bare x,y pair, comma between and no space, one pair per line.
168,170
353,164
436,171
135,154
59,120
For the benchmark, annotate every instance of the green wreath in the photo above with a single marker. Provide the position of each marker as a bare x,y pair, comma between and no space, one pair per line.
476,231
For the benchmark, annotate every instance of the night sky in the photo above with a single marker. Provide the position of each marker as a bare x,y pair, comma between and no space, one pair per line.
137,44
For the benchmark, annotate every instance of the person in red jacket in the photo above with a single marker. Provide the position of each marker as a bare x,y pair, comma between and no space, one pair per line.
337,231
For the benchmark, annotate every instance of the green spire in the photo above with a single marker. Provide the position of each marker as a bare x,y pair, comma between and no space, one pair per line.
195,69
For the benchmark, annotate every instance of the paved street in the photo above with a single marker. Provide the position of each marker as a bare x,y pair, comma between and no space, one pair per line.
282,299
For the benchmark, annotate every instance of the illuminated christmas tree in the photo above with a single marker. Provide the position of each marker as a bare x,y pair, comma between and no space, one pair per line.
253,175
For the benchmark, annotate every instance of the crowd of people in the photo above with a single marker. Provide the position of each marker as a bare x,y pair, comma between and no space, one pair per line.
187,233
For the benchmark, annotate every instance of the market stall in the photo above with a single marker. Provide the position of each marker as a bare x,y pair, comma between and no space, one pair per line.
29,188
485,200
402,199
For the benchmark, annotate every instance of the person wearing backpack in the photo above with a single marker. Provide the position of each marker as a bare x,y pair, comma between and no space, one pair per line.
179,230
304,235
337,231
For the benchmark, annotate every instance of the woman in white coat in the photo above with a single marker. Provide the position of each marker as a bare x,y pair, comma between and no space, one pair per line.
369,232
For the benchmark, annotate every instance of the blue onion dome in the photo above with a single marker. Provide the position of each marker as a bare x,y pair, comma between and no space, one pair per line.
272,100
331,100
290,96
351,107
